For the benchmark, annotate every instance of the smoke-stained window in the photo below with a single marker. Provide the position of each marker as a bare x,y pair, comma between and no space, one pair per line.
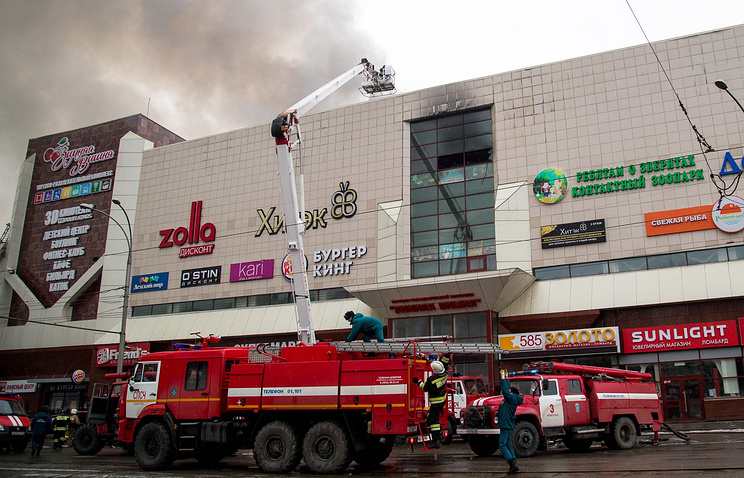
452,195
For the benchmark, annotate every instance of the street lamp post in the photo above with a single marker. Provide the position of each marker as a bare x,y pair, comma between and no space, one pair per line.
723,86
125,302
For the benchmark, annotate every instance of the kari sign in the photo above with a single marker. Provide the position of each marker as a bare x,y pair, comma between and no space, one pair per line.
561,339
680,337
252,270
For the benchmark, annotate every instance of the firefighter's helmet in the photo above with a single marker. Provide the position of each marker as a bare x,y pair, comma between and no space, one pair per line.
437,366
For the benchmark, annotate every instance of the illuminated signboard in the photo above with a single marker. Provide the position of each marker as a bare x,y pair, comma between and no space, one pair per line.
252,270
562,340
573,233
680,337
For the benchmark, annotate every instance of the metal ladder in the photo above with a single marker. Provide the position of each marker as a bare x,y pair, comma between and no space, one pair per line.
418,347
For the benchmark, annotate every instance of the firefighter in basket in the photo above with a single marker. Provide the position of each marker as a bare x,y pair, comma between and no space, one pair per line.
436,387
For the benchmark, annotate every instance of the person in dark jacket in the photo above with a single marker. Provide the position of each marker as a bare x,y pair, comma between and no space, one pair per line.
436,387
40,426
369,326
507,412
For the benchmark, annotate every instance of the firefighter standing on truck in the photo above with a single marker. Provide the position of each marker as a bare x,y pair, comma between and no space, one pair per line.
436,387
369,326
507,412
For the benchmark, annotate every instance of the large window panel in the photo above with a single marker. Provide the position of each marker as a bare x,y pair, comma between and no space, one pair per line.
423,166
414,327
455,204
451,133
485,231
477,129
423,209
471,325
426,238
452,190
667,260
478,201
424,137
480,216
425,269
441,325
424,151
420,181
423,223
452,147
478,143
423,125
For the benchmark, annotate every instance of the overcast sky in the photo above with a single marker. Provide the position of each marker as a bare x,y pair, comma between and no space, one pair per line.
209,66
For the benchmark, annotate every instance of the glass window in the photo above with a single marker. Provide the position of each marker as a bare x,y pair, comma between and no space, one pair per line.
179,307
485,231
451,205
423,209
424,238
450,220
409,328
707,256
423,125
480,216
477,129
667,260
452,266
160,309
479,186
448,134
546,273
470,325
478,157
424,137
454,175
141,310
423,194
425,269
452,147
428,253
445,191
425,151
479,115
677,369
200,305
422,181
241,302
736,253
574,387
423,166
481,200
225,303
478,143
552,388
196,376
723,377
333,294
589,269
281,298
628,265
259,300
150,372
441,325
427,223
446,121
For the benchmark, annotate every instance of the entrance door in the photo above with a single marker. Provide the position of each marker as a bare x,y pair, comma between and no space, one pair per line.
683,399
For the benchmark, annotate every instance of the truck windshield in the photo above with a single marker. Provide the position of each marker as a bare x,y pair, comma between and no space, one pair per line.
474,386
11,407
526,387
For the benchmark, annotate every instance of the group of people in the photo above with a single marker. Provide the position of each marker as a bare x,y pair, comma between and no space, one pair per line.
62,427
436,387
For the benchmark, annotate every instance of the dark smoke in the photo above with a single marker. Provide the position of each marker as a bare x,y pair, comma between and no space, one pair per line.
205,66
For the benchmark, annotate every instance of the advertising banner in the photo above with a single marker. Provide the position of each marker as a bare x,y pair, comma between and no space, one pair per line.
252,270
108,355
573,233
573,339
150,282
680,337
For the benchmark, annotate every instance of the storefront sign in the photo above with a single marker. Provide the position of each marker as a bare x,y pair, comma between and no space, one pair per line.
108,355
729,166
430,304
62,157
343,205
573,233
332,262
78,376
678,220
287,266
201,276
17,386
664,172
252,270
550,186
680,337
727,214
195,233
561,339
150,282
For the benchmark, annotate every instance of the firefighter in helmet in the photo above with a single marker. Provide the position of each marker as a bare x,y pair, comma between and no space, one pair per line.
436,387
60,424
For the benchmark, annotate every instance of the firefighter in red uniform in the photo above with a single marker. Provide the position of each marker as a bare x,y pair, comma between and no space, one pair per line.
436,387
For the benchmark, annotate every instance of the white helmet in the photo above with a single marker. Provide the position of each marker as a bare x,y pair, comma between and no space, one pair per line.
437,366
73,411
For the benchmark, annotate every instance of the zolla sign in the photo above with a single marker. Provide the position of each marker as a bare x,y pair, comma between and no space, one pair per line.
611,180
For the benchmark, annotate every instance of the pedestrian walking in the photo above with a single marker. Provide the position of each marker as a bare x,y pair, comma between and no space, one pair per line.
369,326
507,412
41,425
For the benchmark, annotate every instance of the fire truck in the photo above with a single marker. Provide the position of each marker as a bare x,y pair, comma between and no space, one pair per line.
573,403
462,391
15,425
101,426
328,404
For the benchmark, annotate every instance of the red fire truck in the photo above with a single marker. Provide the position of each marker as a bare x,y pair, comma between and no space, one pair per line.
573,403
328,403
14,423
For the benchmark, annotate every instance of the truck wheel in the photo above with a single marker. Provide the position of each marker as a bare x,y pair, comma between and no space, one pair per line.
277,448
484,445
451,427
86,441
153,447
623,434
525,439
377,450
326,448
577,445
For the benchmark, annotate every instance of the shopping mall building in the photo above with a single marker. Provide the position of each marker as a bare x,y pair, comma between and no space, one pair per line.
564,211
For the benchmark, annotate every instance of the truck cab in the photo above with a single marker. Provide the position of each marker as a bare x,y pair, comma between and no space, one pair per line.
14,424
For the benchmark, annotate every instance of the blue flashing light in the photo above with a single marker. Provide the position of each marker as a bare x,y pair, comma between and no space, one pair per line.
180,346
524,373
